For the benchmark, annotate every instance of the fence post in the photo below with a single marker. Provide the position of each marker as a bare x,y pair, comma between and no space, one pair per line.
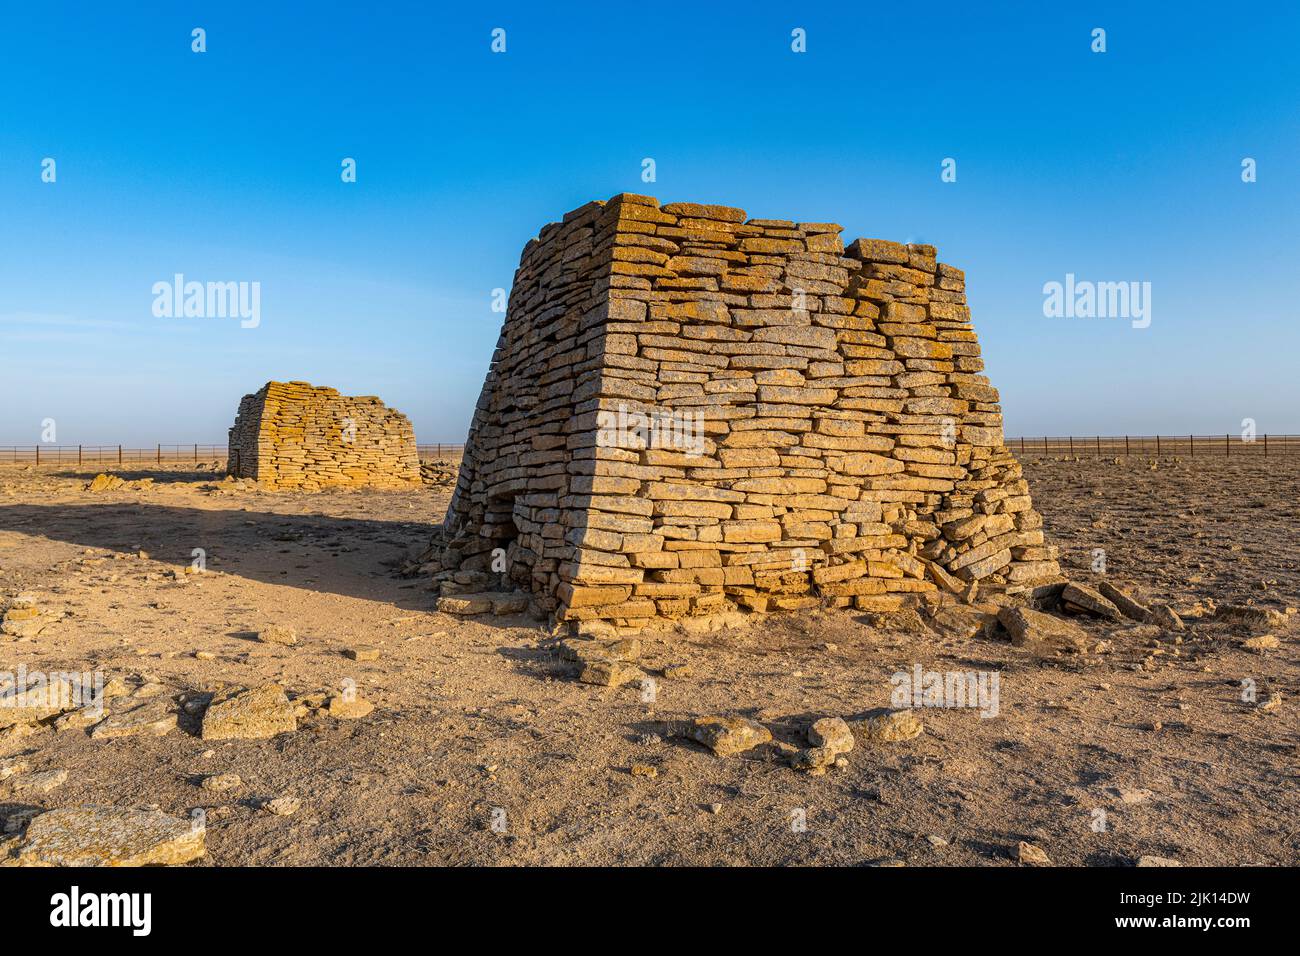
119,456
1071,446
159,459
78,456
196,451
1191,440
1098,446
1225,446
1125,446
38,454
1022,446
1157,446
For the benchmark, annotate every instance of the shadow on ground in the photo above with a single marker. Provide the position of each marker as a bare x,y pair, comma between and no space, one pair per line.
350,557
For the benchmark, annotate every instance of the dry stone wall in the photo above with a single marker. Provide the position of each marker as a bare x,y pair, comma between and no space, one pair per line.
298,435
689,411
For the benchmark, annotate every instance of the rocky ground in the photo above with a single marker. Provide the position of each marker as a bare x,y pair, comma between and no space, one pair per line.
273,682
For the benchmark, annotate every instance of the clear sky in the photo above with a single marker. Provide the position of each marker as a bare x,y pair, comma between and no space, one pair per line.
225,166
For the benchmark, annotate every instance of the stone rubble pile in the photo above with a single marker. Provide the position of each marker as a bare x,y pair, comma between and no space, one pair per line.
689,411
24,619
438,473
294,435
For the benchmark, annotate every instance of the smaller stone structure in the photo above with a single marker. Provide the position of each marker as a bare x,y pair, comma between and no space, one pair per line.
298,435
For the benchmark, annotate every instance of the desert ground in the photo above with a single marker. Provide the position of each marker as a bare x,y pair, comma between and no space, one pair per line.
483,749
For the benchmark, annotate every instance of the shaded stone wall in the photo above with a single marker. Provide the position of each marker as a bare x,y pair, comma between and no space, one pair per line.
297,435
689,411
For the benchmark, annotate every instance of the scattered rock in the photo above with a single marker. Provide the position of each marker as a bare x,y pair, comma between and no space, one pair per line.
42,782
580,651
678,671
464,605
282,806
830,737
154,719
1131,795
116,687
726,736
644,770
24,619
488,602
1249,616
1263,642
503,604
36,702
349,706
831,732
609,673
221,782
1126,605
105,836
103,482
884,725
1081,599
1156,861
1032,855
239,713
1029,627
961,620
1166,617
362,653
278,634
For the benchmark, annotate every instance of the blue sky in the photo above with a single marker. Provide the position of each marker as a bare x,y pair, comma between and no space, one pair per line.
224,166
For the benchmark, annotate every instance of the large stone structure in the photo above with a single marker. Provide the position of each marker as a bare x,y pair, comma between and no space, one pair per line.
689,411
298,435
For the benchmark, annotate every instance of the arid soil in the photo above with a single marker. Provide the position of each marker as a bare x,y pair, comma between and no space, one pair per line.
483,750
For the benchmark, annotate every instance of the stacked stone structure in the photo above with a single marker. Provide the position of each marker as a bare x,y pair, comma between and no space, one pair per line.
690,411
296,435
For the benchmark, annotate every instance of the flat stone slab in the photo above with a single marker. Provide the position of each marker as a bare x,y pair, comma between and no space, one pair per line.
105,836
1081,598
888,726
352,707
1029,627
609,673
1127,606
239,713
152,719
726,736
35,702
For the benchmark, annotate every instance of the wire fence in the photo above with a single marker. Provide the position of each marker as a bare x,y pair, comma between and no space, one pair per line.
1186,446
1100,446
442,450
158,454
